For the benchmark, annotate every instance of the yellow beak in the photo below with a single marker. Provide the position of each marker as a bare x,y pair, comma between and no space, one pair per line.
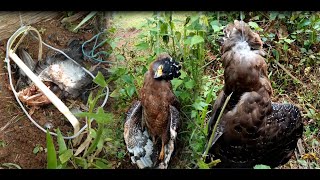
159,72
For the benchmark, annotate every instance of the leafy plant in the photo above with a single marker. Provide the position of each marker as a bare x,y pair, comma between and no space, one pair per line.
86,154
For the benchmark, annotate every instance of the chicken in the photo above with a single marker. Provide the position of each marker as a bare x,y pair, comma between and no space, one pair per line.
252,130
64,77
156,115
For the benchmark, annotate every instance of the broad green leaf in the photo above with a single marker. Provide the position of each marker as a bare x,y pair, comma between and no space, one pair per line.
273,15
81,162
276,54
183,74
196,40
99,79
51,153
193,113
285,47
103,117
216,26
178,35
190,84
100,116
289,41
254,25
199,105
194,19
281,16
202,165
101,165
261,166
142,46
130,90
304,23
120,57
164,28
115,93
128,79
61,143
303,162
183,94
65,156
176,83
187,41
204,20
93,133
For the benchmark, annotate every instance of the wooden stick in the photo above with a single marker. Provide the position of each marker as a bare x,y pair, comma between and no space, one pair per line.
46,91
285,70
216,126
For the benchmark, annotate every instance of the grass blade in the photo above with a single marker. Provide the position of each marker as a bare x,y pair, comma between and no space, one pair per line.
11,165
51,154
95,141
64,157
89,16
61,143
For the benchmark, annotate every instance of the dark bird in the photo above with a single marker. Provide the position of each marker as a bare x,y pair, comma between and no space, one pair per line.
252,130
155,116
60,74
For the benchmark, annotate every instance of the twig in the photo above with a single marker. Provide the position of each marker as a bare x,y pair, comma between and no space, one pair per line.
73,18
293,77
8,123
300,148
215,126
207,64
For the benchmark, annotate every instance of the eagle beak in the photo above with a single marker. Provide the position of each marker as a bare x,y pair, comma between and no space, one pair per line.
159,72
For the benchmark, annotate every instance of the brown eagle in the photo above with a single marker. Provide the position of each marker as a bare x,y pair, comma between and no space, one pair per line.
157,115
253,130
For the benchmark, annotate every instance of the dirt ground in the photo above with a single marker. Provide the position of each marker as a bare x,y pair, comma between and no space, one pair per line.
18,136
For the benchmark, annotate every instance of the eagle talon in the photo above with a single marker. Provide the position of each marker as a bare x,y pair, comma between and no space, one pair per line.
161,155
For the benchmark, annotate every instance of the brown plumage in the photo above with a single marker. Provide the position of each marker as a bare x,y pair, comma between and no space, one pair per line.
252,130
156,97
155,115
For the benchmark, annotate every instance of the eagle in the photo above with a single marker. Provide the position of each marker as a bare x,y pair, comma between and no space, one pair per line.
252,129
155,116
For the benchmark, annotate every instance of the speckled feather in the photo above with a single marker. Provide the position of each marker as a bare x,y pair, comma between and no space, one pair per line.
143,151
137,140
